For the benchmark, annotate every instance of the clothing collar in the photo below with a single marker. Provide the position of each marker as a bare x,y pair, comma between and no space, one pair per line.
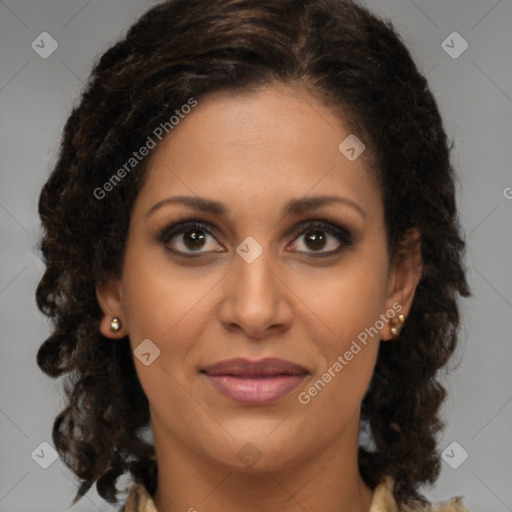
139,500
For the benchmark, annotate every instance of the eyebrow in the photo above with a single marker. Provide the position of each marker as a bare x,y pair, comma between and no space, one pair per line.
293,207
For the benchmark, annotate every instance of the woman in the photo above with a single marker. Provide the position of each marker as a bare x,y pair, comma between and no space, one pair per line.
252,248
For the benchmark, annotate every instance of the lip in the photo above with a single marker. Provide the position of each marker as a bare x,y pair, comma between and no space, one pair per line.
255,382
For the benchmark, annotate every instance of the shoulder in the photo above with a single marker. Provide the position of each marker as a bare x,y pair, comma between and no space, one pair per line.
383,501
139,500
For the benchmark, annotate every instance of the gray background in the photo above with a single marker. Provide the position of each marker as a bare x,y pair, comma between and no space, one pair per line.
474,92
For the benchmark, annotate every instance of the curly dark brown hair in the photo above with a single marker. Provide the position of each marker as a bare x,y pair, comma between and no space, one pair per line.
357,65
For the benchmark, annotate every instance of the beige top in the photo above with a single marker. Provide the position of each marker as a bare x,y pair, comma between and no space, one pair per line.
139,500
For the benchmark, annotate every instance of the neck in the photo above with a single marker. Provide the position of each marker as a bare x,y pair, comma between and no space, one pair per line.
327,479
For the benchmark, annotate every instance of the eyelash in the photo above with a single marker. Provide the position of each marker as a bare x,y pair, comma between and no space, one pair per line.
341,234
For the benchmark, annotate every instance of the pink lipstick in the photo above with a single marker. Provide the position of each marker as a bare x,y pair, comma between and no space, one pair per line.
255,382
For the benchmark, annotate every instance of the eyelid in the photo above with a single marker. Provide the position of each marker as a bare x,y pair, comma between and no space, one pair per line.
341,233
181,226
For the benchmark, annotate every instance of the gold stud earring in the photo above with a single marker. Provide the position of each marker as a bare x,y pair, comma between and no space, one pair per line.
115,324
396,329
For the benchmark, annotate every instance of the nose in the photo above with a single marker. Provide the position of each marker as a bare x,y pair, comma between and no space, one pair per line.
256,299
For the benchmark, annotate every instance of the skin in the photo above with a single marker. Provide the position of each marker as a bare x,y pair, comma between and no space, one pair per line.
254,152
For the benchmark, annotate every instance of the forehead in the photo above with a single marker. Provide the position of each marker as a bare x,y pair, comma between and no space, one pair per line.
262,147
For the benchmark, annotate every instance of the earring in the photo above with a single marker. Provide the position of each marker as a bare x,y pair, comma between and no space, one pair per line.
396,329
115,324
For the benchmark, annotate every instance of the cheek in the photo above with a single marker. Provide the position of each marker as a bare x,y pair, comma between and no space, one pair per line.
334,396
350,305
157,298
350,300
168,306
159,307
153,311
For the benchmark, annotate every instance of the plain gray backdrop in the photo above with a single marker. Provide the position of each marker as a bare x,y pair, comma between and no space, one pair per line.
474,91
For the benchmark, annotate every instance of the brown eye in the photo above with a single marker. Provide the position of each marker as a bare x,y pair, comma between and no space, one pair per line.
322,239
194,239
315,240
189,238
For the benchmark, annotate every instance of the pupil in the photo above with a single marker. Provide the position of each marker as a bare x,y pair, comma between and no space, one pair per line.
315,240
195,238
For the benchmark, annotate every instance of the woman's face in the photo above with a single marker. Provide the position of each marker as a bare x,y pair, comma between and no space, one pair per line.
257,280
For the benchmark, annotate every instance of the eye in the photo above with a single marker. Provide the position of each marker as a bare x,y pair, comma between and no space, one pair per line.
315,239
191,237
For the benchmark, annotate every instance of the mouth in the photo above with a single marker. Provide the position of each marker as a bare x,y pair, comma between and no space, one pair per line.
255,382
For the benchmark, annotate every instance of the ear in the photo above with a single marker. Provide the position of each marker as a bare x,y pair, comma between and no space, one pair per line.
109,295
405,273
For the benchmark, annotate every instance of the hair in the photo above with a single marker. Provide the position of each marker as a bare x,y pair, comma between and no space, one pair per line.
356,64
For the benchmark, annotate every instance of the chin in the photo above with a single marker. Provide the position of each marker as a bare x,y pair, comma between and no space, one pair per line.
259,451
